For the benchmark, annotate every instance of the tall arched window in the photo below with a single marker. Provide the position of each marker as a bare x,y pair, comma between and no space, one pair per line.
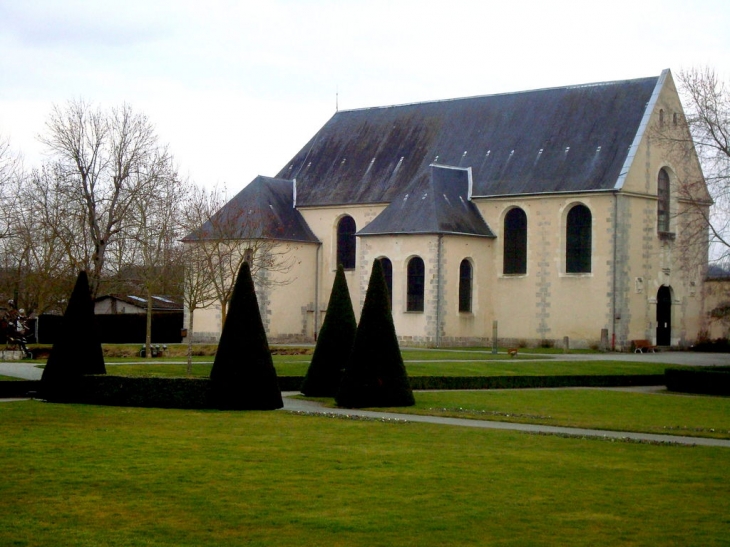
346,242
465,286
578,240
663,201
515,242
416,284
388,274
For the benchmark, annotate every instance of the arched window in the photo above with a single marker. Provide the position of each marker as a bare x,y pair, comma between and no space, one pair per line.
465,286
578,240
388,274
515,242
346,242
416,284
663,201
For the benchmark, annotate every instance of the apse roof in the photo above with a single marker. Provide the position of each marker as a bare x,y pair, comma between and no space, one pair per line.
264,209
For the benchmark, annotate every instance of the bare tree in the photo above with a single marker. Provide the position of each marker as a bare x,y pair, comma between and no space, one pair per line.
198,292
153,230
706,130
104,161
10,174
44,275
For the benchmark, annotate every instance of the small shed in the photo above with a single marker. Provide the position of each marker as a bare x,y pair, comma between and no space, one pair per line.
115,304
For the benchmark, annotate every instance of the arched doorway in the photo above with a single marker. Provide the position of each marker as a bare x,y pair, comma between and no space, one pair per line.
664,317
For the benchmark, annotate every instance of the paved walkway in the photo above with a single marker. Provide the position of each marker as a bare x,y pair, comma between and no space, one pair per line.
20,369
298,405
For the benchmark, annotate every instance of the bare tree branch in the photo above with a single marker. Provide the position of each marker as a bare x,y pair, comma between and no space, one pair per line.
104,161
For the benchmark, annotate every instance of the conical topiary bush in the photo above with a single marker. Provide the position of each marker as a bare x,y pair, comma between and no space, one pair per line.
334,342
243,375
77,349
375,375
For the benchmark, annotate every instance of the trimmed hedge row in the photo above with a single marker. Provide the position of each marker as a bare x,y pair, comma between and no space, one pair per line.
194,393
519,382
188,393
705,380
18,388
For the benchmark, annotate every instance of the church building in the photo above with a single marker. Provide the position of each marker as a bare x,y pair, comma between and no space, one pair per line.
536,215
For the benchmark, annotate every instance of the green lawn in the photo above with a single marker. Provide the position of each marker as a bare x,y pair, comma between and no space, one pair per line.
476,354
669,413
8,378
287,365
104,476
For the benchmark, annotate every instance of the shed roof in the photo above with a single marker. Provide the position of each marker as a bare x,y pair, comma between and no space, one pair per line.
567,139
437,202
264,209
159,302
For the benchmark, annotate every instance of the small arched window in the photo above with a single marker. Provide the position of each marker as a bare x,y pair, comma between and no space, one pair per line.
388,274
661,117
578,240
663,201
515,242
416,284
465,286
346,242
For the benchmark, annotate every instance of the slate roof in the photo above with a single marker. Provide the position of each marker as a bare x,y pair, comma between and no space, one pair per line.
568,139
436,203
264,209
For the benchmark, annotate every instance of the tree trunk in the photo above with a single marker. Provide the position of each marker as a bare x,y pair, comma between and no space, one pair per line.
190,343
148,332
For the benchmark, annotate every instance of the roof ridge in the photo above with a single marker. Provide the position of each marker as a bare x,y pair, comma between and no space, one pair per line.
503,94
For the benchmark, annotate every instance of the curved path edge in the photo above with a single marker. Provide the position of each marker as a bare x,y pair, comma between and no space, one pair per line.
299,405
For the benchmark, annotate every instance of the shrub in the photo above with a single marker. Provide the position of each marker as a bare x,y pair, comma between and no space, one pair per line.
334,343
719,345
77,351
704,380
18,388
375,374
521,382
243,376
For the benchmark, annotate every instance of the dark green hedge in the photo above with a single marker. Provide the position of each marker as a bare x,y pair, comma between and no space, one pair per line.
18,388
193,393
518,382
291,383
706,380
190,393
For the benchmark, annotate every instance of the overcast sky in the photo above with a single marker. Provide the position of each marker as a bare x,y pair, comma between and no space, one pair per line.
237,88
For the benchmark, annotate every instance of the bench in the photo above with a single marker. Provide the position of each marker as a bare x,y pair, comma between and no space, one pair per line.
641,345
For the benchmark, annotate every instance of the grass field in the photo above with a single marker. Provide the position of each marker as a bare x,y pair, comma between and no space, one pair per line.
664,413
286,366
8,378
102,476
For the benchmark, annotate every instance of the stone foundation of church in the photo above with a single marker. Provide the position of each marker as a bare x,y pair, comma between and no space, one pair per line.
455,342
